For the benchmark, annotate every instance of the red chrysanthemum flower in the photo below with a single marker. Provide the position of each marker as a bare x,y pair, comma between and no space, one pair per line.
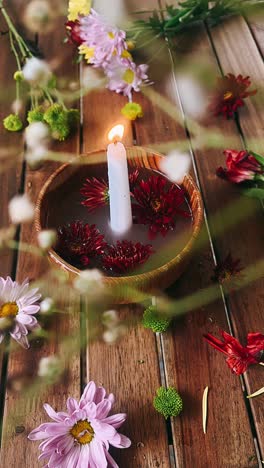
240,166
239,357
228,271
125,256
158,202
79,242
230,94
73,32
96,191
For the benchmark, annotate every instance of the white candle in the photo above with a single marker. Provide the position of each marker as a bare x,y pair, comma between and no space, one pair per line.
119,191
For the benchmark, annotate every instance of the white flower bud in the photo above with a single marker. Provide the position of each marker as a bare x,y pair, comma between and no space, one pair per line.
37,135
47,305
89,281
111,336
193,98
17,106
50,367
110,318
176,165
37,72
21,209
39,16
35,157
47,238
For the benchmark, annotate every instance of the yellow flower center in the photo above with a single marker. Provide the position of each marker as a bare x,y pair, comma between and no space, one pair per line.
9,309
129,76
228,95
155,205
130,45
126,54
82,432
88,52
111,35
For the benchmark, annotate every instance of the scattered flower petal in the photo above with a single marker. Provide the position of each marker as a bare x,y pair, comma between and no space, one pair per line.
204,408
257,393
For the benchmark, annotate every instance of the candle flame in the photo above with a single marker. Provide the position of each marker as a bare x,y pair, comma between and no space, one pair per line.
116,133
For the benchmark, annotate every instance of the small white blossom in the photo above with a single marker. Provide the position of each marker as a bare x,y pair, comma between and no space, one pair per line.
110,319
21,209
37,135
50,367
35,157
175,165
47,238
37,72
17,106
192,96
89,281
111,336
39,16
47,305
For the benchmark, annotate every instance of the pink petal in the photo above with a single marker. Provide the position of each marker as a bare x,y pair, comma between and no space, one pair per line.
31,309
103,431
120,441
103,409
116,420
72,405
53,415
88,394
97,454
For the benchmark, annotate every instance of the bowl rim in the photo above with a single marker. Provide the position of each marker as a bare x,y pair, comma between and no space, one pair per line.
139,276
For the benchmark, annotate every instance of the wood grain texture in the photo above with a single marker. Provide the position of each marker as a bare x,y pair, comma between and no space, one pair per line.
189,365
255,21
24,412
118,366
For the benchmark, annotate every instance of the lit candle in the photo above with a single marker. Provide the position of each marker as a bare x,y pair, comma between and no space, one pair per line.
119,191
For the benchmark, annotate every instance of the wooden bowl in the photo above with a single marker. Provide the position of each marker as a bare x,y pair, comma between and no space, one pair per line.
148,282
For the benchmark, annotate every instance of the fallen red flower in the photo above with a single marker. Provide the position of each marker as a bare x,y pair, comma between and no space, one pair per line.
158,203
240,166
78,242
230,94
239,357
228,270
96,191
125,256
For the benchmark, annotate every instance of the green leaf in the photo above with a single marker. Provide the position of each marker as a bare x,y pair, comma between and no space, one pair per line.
257,156
254,193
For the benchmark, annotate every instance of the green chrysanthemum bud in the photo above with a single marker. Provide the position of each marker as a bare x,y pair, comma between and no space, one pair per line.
73,118
57,118
168,402
36,115
153,320
13,123
18,76
132,111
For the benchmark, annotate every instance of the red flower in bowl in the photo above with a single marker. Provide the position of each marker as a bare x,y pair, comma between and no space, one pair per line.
157,204
125,256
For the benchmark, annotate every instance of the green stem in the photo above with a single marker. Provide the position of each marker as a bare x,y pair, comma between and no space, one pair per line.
14,50
25,52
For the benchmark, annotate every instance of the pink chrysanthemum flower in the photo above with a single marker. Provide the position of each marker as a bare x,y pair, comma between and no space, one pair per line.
105,41
81,436
125,76
17,307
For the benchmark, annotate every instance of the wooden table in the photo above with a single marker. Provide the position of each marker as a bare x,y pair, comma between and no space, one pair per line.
134,367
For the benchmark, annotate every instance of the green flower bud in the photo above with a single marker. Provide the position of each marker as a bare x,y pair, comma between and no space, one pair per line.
36,115
18,76
168,402
57,118
13,123
155,321
132,111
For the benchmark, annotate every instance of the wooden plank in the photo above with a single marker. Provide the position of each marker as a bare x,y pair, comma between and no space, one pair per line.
189,365
255,22
237,53
25,413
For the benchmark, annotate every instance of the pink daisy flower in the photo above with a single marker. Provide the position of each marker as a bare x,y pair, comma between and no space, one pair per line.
80,437
125,76
104,40
17,307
